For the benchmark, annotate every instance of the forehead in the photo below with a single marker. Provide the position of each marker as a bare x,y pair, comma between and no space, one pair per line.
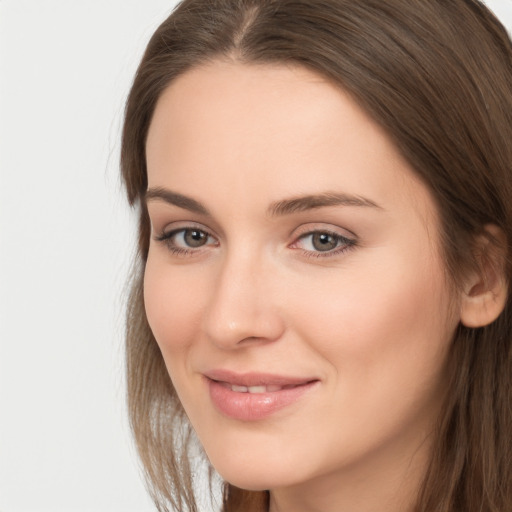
280,128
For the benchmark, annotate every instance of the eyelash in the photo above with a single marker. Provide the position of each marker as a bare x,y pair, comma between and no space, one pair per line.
167,239
346,243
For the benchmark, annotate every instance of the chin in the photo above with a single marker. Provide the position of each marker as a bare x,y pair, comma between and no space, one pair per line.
257,475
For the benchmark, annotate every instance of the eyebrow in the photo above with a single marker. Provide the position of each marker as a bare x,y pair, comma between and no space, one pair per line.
310,202
278,208
187,203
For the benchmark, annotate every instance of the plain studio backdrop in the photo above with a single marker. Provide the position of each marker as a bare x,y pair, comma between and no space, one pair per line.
66,242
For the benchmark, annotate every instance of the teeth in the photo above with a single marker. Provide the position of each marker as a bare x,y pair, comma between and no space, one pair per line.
258,389
255,389
239,389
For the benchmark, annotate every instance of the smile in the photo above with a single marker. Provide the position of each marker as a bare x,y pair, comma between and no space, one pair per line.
253,397
256,389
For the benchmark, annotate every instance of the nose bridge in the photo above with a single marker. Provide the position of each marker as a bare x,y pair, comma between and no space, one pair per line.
242,308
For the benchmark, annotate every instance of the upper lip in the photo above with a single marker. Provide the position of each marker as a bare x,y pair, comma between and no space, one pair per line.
255,378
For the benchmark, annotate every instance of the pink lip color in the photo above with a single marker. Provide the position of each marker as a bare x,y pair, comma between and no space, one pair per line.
246,406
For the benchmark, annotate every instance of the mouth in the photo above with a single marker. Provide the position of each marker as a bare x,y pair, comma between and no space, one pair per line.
255,396
258,389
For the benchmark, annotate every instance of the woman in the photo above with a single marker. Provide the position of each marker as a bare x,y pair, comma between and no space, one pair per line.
325,217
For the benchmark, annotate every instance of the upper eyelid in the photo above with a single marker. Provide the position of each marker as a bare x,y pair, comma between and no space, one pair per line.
182,226
340,237
165,235
174,231
161,223
310,228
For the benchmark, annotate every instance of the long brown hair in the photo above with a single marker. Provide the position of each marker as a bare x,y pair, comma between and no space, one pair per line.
437,76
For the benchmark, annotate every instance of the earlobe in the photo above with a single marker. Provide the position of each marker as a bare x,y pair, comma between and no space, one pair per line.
486,289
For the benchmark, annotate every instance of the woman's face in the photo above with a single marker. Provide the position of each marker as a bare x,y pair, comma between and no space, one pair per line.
294,281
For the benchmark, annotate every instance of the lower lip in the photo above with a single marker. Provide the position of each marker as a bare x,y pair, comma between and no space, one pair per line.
254,406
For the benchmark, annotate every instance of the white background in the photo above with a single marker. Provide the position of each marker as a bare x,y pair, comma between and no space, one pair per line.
65,246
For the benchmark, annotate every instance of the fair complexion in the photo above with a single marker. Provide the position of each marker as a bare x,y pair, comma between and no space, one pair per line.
343,290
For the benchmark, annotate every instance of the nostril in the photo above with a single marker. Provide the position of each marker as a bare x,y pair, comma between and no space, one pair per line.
234,327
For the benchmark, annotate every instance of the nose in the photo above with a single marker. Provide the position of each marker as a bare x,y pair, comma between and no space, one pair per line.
244,307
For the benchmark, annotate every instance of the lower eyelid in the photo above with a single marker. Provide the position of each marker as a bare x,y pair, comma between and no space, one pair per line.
328,254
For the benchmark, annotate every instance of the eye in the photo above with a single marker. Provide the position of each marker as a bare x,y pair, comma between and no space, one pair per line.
186,240
323,243
192,237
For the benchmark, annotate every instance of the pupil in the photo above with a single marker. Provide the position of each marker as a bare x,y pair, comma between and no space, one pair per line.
324,242
195,238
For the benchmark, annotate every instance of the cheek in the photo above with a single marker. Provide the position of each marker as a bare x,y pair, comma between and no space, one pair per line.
172,305
377,321
384,333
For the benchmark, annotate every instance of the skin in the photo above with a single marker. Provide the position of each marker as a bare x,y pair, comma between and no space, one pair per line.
372,319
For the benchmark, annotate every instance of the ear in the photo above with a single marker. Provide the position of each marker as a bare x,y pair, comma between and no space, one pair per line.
486,288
